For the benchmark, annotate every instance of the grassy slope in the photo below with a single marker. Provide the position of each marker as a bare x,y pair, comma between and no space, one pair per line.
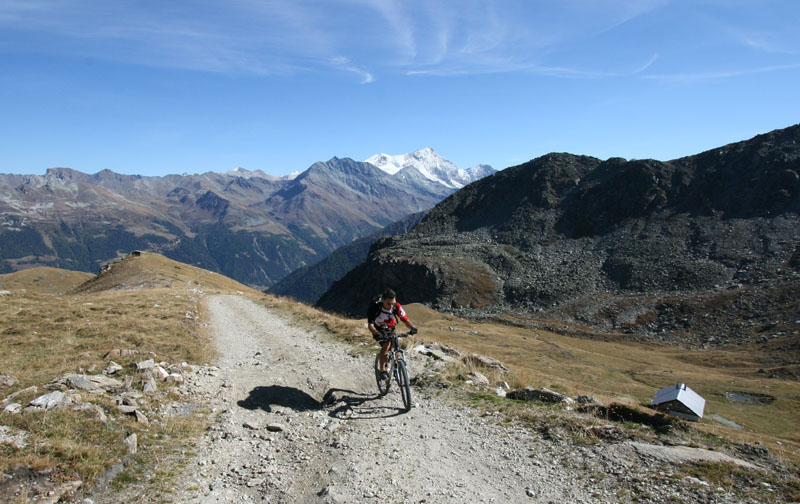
142,303
54,322
620,371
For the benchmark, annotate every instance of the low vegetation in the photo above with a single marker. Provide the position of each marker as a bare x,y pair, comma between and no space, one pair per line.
55,323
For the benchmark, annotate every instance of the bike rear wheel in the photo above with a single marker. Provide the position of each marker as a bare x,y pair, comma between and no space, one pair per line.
403,382
385,383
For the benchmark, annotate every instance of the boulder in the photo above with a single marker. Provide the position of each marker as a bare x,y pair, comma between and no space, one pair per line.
482,361
13,409
145,365
585,400
149,385
160,373
30,390
7,380
15,437
175,378
478,378
112,368
80,382
51,401
90,383
131,442
542,394
118,352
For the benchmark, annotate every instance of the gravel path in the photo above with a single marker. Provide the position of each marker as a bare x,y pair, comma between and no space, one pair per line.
279,440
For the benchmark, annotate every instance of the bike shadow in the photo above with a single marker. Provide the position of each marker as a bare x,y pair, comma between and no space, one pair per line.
351,405
266,398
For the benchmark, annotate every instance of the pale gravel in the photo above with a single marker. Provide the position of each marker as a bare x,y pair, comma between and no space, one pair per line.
362,448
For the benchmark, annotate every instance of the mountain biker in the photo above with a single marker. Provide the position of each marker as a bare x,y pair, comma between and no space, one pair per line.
382,320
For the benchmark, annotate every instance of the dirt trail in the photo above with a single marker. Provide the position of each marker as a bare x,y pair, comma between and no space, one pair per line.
359,447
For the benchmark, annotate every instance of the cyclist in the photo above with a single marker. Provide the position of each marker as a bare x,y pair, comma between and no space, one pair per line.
382,319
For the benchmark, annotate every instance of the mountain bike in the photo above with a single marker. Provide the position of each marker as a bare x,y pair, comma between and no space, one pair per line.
395,367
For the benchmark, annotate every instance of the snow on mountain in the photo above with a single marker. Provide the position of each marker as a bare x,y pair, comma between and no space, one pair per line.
432,166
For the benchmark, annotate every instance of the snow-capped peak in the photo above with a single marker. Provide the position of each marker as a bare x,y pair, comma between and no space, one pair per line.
430,164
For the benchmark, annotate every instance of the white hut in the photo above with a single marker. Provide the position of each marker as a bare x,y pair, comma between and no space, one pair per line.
680,401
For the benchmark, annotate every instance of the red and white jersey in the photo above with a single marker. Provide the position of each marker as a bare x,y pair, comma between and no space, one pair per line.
385,318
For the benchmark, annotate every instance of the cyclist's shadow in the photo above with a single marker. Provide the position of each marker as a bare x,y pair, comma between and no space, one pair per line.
266,398
350,405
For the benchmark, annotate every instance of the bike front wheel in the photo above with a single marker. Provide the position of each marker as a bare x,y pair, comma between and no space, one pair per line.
385,383
403,382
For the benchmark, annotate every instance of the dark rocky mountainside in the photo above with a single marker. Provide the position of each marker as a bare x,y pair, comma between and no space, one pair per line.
247,225
702,249
308,283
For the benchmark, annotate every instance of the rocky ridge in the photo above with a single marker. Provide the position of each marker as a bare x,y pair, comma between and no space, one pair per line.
248,225
649,248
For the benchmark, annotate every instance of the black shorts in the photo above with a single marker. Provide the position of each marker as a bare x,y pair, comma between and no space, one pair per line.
383,335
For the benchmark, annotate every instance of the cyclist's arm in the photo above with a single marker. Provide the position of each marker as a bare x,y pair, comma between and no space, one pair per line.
374,330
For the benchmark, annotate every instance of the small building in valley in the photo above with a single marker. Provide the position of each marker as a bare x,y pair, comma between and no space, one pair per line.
680,401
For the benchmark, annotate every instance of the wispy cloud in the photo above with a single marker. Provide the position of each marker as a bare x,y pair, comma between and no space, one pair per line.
722,74
369,39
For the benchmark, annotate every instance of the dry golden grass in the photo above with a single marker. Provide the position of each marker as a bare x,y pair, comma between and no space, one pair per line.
613,371
43,280
632,373
146,303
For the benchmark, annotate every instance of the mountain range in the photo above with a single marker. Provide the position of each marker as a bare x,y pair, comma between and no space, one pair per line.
251,226
706,247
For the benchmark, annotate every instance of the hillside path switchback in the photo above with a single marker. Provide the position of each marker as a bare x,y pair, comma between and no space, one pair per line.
298,419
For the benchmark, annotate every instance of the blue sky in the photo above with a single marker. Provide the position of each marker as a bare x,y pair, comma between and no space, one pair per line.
152,87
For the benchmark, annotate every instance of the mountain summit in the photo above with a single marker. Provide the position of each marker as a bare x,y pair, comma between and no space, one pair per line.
432,166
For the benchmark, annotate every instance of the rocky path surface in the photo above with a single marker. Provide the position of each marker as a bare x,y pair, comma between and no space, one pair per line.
299,420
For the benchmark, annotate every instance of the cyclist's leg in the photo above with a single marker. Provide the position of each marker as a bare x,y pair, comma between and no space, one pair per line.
383,352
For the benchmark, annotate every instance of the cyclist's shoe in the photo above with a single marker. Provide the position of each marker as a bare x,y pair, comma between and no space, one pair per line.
384,375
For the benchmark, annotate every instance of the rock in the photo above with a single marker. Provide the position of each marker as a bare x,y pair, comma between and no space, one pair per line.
604,431
117,353
482,361
149,385
251,425
160,373
585,400
112,368
15,437
80,382
105,382
478,378
145,365
141,417
13,408
47,402
132,443
94,409
90,383
542,394
7,380
29,390
276,427
62,490
175,378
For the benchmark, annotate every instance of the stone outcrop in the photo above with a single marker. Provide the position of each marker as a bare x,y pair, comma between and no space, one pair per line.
641,247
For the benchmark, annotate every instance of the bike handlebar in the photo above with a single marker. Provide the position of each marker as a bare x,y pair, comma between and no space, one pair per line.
389,337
